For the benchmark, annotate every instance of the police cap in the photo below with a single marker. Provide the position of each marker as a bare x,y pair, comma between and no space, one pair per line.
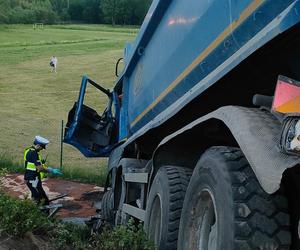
39,140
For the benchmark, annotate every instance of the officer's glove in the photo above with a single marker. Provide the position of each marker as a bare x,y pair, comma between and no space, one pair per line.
54,171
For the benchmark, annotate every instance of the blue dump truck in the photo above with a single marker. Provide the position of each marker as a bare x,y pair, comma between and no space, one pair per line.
202,128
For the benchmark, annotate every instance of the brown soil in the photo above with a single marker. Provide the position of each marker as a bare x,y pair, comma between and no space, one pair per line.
79,202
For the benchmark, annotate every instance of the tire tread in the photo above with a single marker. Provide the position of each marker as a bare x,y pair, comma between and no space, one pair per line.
261,219
106,207
178,179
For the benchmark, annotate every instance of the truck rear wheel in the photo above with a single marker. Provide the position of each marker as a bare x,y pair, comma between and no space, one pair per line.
107,207
164,206
226,209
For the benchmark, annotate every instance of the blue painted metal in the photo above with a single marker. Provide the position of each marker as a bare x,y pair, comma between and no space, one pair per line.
73,126
151,22
186,30
70,137
123,121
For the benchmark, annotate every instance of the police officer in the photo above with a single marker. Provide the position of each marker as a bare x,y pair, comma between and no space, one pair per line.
35,168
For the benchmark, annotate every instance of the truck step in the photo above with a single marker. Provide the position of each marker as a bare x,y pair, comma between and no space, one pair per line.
134,211
136,177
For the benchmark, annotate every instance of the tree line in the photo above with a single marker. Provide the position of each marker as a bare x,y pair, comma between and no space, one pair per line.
129,12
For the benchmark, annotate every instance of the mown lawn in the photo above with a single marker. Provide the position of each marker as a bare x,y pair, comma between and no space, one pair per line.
35,101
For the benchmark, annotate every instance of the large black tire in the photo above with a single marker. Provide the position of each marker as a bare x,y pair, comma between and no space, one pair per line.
225,207
107,211
164,206
291,185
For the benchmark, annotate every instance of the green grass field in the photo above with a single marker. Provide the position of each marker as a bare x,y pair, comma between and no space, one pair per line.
33,100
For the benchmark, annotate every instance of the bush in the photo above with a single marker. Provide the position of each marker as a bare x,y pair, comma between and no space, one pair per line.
3,18
32,15
3,172
70,236
45,16
20,15
126,238
19,216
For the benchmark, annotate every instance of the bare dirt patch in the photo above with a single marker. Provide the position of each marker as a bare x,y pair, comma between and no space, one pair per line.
80,201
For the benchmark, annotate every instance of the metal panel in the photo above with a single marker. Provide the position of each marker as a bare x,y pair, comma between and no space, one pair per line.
275,27
184,56
131,165
136,177
134,211
173,47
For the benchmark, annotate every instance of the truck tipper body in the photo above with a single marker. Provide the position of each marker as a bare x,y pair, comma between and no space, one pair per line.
202,127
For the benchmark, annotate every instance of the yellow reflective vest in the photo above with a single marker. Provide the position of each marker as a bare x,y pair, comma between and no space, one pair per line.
30,165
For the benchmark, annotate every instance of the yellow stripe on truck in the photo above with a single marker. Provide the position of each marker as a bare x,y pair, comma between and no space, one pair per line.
244,15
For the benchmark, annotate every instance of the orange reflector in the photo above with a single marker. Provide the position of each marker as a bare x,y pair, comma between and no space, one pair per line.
287,96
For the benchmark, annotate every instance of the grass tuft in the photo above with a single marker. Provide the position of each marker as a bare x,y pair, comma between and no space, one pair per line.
8,164
131,237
